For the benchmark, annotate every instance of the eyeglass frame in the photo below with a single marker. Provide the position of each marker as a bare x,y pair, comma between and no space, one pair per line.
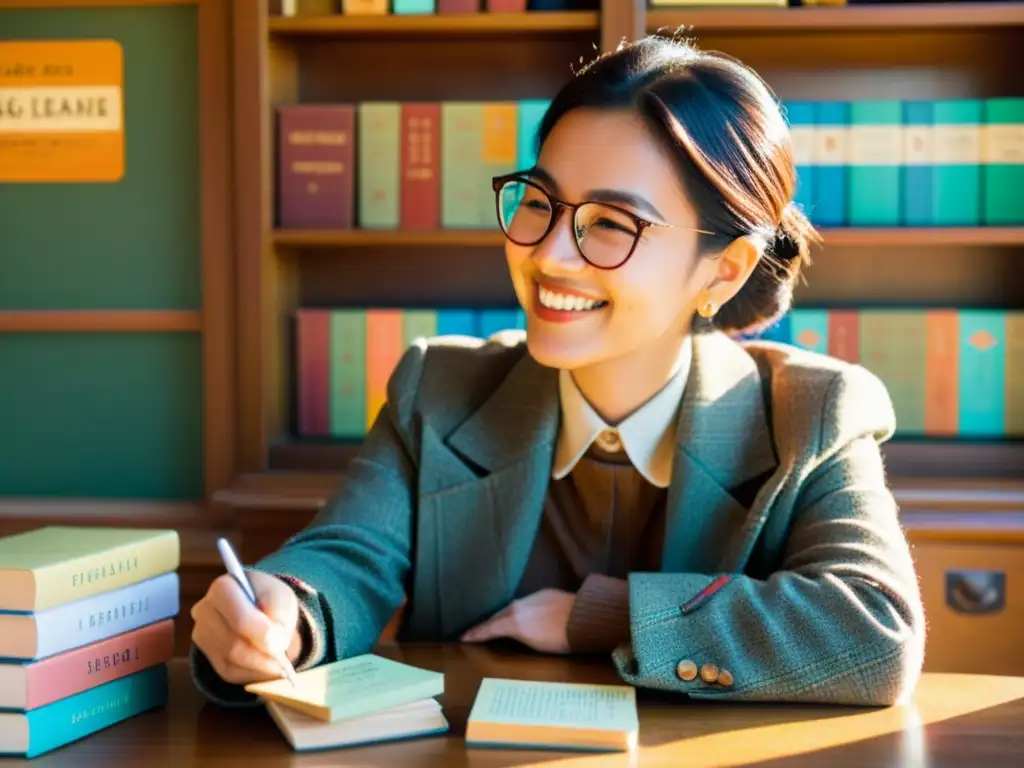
558,206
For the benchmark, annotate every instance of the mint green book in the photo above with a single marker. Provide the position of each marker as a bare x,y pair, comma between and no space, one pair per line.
524,714
956,173
982,373
353,687
347,366
378,169
876,163
1003,162
462,168
893,346
402,7
418,324
808,328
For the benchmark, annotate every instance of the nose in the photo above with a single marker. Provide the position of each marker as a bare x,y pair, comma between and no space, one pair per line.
558,254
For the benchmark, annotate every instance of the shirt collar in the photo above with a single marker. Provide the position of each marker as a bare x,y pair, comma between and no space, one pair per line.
647,435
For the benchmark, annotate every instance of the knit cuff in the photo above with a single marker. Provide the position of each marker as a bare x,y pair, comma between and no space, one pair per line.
599,621
311,631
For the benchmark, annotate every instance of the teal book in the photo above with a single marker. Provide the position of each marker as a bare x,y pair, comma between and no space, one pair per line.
491,321
876,161
918,163
1003,162
531,115
347,373
800,117
780,331
956,193
401,7
982,372
38,731
378,170
457,322
831,163
462,164
808,328
525,714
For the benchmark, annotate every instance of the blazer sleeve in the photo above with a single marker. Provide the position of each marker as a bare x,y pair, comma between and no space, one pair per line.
348,567
841,621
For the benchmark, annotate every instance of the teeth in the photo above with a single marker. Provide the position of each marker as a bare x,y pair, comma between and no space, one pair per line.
565,302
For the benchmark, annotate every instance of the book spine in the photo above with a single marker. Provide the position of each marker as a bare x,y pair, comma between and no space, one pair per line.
499,153
461,163
315,157
942,364
982,374
780,331
876,159
74,718
85,668
957,188
457,322
809,329
379,168
919,160
1014,381
530,115
892,346
421,166
364,7
831,163
844,335
383,351
492,321
418,324
800,115
96,618
458,6
83,577
402,7
1003,159
506,6
313,338
348,373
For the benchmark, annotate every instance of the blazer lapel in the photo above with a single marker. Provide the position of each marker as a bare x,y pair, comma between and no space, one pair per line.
723,440
481,495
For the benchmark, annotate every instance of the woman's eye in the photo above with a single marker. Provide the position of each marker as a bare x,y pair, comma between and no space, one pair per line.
614,225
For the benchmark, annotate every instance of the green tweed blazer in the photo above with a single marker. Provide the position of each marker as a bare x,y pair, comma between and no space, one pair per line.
783,562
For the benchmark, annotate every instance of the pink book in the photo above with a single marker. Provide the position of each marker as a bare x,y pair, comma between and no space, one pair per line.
506,6
458,6
33,685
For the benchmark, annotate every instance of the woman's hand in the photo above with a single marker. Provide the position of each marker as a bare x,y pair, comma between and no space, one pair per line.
237,637
539,620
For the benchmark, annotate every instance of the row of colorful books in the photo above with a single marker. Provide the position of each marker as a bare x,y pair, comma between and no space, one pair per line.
290,8
428,165
86,630
950,372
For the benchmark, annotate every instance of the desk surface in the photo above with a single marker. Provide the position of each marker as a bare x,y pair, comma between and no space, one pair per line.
955,720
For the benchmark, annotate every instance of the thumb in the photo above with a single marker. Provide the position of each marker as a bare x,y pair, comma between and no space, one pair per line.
278,601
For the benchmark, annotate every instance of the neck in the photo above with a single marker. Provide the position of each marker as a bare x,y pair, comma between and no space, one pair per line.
616,388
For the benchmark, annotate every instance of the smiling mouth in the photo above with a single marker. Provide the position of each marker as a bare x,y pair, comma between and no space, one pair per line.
566,302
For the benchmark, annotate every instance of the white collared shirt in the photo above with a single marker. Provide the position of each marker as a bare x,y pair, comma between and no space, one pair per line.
647,435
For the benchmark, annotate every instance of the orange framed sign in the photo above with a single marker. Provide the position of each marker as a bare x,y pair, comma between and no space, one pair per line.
61,111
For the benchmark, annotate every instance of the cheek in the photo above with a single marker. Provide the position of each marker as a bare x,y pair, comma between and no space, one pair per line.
651,291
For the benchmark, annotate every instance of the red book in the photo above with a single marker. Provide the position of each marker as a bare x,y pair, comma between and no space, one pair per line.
942,361
313,340
420,179
458,6
844,335
506,6
316,182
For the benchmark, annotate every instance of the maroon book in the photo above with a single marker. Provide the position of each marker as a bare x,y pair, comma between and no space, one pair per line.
316,177
506,6
421,166
458,6
313,340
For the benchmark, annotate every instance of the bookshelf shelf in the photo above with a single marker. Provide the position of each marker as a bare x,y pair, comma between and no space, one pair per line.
86,320
455,24
918,16
842,236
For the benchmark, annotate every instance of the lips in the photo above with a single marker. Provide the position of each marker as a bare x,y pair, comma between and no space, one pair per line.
560,304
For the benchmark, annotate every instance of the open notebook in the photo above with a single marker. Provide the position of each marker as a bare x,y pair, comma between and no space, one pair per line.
557,716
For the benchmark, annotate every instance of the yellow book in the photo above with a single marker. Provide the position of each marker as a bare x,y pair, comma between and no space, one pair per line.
361,685
55,565
557,716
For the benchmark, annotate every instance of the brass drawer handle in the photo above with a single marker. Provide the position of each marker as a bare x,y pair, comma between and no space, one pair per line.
976,591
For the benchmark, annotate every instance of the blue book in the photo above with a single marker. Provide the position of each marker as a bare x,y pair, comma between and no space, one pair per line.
956,200
982,372
808,328
531,113
876,162
800,116
831,163
918,172
35,732
780,331
457,322
492,321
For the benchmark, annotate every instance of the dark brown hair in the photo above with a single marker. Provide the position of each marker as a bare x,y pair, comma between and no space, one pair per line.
725,128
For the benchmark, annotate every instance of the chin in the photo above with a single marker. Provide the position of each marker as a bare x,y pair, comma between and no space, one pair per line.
556,353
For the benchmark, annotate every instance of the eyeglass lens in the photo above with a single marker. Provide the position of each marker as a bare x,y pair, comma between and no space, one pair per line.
605,235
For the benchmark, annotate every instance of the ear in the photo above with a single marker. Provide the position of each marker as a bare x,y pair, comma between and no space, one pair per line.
731,270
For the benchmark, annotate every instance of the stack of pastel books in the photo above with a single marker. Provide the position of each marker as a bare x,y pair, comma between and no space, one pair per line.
357,701
86,631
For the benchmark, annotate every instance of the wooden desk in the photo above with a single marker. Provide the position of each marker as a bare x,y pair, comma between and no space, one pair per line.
956,720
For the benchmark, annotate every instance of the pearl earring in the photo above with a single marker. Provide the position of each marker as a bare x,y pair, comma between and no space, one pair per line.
709,309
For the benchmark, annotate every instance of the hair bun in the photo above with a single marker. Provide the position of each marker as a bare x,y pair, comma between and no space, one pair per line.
791,244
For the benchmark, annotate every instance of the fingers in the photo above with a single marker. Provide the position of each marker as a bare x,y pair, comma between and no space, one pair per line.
502,624
245,619
276,599
232,656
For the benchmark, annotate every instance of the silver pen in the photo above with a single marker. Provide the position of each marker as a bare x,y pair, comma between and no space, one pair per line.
235,570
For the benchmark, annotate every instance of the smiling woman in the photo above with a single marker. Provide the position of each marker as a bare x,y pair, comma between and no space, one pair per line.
626,477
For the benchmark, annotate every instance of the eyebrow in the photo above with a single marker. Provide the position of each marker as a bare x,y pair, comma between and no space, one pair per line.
612,196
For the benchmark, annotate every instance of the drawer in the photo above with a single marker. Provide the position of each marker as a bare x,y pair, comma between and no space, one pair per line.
973,597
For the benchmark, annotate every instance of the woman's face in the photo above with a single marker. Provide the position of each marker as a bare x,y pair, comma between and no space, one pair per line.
609,156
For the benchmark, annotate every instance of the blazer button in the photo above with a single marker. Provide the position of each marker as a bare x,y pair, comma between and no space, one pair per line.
686,670
725,678
709,673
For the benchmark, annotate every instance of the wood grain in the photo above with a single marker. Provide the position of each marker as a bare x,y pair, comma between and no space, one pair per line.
99,320
475,24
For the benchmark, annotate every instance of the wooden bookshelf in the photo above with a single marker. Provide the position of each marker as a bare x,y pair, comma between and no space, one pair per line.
474,25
